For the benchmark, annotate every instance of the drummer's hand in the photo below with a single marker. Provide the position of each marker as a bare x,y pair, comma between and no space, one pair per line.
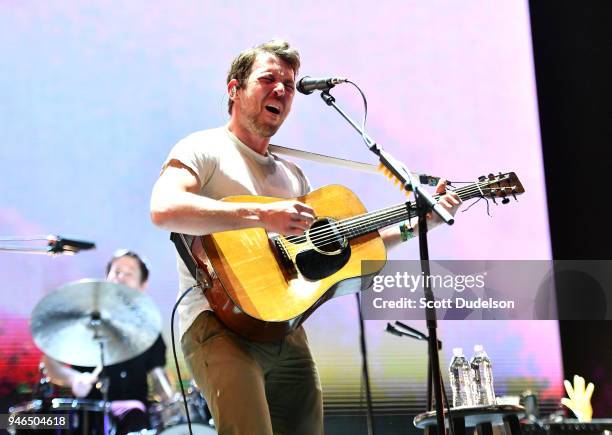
82,383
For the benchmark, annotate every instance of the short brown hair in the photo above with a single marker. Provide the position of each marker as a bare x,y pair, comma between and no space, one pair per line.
242,64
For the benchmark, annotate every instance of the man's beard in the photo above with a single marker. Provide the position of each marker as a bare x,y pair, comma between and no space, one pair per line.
258,127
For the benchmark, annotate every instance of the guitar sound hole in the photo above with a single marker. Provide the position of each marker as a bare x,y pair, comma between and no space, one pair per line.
326,237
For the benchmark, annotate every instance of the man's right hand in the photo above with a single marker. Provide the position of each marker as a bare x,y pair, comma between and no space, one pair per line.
289,218
82,383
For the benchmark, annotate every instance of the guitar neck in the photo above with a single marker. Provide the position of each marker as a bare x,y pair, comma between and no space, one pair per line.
366,223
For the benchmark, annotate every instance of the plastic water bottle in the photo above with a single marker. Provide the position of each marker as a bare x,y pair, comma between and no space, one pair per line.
483,377
462,379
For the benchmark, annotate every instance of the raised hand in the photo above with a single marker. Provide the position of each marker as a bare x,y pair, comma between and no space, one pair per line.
579,398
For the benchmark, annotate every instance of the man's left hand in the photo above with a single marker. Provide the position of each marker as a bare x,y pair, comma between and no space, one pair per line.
449,200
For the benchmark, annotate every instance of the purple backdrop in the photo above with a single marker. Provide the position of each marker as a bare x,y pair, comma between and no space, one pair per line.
94,96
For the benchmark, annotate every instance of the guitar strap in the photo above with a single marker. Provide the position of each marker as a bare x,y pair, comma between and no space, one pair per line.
425,179
184,251
322,158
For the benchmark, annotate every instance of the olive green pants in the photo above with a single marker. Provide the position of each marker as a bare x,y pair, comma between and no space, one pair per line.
254,388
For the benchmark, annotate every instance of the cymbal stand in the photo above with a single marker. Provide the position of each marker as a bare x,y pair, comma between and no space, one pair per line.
104,382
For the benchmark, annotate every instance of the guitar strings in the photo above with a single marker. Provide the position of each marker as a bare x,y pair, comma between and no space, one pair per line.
325,233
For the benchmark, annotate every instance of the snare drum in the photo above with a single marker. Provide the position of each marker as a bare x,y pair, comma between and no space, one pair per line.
84,416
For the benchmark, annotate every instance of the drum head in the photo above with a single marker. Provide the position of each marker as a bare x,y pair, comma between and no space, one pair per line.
183,429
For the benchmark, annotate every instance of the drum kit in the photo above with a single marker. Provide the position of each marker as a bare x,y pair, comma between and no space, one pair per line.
95,324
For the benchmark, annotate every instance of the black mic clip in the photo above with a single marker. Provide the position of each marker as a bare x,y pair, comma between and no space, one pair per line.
62,245
402,330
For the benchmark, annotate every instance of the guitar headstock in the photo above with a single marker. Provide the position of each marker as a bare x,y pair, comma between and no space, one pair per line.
500,186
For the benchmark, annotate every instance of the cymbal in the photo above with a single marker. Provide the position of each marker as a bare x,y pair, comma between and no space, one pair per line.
69,323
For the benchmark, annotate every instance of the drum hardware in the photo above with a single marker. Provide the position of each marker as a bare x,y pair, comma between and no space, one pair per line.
81,414
108,323
44,388
172,420
162,387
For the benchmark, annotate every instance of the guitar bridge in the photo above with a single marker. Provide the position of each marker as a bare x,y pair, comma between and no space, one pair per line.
283,255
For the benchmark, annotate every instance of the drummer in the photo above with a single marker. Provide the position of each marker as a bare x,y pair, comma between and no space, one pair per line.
128,388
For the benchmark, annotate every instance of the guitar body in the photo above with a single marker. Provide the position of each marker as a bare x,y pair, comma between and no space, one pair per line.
265,286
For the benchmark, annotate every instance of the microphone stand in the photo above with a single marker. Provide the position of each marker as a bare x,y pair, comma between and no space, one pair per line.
55,245
425,203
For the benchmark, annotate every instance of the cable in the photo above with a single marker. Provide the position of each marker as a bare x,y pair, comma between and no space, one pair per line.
365,113
178,370
451,423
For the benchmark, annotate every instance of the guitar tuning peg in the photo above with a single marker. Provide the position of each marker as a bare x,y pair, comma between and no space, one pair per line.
506,200
493,195
482,178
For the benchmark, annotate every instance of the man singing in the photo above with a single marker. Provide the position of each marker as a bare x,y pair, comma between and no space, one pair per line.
254,388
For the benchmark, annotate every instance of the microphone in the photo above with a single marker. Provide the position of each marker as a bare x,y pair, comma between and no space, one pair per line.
306,85
62,245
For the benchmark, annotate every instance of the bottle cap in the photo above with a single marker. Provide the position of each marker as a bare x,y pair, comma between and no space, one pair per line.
478,348
457,351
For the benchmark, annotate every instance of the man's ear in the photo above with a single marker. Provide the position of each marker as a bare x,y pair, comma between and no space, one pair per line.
232,88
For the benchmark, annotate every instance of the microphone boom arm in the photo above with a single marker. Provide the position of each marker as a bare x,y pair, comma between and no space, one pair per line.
398,169
55,245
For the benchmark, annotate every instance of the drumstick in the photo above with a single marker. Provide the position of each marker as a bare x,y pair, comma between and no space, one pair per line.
97,371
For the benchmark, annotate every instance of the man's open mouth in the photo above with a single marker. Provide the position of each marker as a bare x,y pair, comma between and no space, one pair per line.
273,109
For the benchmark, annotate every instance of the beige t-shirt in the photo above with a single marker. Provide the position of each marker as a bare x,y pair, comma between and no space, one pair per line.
226,167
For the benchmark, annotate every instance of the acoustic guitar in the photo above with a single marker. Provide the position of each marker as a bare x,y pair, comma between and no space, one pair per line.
265,285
